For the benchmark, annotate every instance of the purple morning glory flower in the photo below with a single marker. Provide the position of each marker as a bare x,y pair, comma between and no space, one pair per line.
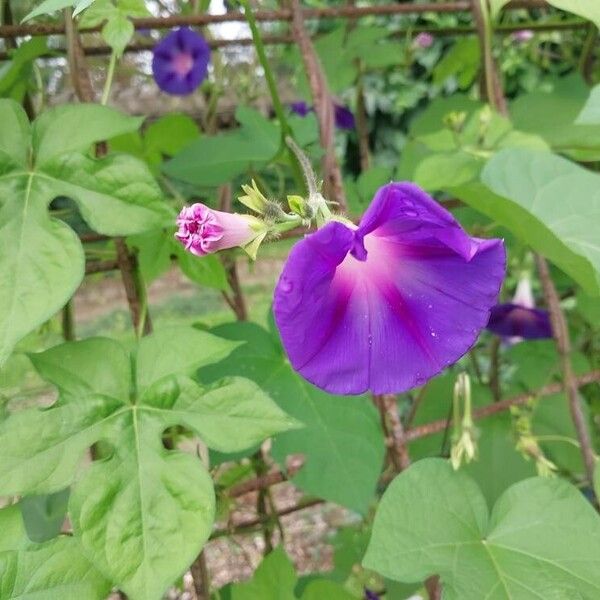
180,62
519,319
388,304
300,108
371,595
344,119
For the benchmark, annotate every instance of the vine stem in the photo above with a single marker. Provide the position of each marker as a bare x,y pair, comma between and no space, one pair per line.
109,78
485,34
200,577
286,130
562,340
586,62
264,61
323,107
434,427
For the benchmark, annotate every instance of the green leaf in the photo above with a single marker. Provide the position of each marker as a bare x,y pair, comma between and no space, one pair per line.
41,259
101,11
44,515
525,549
274,579
160,355
49,6
441,171
229,416
589,308
55,569
583,8
171,133
320,589
590,113
153,250
116,195
19,69
92,366
205,270
133,8
142,513
552,418
341,438
496,6
81,6
117,32
461,61
75,127
213,160
14,135
564,101
361,192
551,204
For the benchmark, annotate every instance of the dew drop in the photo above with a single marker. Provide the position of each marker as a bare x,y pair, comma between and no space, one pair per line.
286,286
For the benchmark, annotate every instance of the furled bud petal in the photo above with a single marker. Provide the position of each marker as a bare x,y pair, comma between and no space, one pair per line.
203,230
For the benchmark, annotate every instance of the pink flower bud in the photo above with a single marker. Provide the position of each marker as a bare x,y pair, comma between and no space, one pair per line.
203,230
524,35
424,40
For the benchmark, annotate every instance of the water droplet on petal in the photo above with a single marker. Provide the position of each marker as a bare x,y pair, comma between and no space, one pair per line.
286,286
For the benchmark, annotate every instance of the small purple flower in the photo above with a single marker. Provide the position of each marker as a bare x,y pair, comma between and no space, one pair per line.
344,119
370,595
519,319
300,108
203,230
424,40
180,62
388,304
522,36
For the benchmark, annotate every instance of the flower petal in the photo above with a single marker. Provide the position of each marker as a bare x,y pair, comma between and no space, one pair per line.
404,209
514,320
390,322
165,54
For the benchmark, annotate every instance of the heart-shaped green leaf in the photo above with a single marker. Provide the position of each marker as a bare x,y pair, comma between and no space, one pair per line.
542,539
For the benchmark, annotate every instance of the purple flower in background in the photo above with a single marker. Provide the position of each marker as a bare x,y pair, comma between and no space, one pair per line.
524,35
424,40
344,119
519,319
300,108
180,62
388,304
203,230
370,595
